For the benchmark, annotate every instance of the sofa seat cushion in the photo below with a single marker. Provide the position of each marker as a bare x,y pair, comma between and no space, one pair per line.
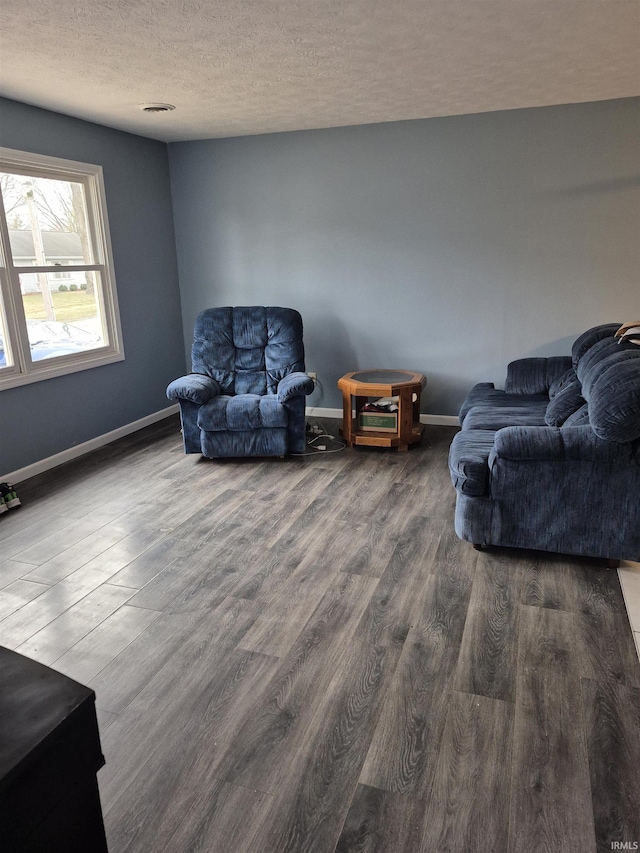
468,461
485,394
497,417
564,403
243,412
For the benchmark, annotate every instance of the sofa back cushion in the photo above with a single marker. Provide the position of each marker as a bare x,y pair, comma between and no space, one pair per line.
587,339
535,375
248,350
579,418
561,382
564,403
609,373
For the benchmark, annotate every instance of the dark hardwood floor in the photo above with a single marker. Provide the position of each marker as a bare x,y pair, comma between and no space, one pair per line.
300,655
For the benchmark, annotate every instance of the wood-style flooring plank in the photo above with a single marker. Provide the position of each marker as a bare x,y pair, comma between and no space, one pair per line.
181,586
77,555
124,677
550,784
148,565
562,582
215,519
302,540
370,551
21,530
18,593
453,556
607,651
468,809
60,540
194,671
285,508
99,647
276,726
24,623
105,718
63,632
403,753
309,806
178,773
220,818
487,662
11,570
381,822
612,718
277,628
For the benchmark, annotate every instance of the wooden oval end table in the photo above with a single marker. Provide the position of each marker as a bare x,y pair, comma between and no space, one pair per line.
363,384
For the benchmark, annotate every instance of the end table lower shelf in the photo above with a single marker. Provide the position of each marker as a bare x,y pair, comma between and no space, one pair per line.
381,439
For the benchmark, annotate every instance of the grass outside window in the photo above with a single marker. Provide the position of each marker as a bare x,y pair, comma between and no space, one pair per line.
70,306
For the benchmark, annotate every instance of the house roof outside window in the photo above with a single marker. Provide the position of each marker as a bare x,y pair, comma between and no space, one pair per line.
62,245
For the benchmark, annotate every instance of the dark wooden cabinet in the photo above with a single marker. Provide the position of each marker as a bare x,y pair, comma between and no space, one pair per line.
49,756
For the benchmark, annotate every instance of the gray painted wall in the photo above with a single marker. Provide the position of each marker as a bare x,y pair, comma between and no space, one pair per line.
44,418
448,246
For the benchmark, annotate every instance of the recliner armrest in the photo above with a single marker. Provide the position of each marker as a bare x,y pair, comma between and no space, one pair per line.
196,387
562,444
293,385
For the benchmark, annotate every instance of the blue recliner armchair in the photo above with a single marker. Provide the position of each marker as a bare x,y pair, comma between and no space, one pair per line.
552,463
246,394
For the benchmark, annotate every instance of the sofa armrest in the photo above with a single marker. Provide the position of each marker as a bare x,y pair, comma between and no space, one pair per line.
293,385
535,375
196,387
568,444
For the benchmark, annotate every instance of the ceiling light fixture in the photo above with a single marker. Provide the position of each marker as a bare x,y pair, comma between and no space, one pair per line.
156,108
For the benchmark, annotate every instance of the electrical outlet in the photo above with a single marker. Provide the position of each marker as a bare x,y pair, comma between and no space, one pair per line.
312,375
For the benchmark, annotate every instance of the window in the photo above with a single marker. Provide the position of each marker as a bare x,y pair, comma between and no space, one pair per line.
52,320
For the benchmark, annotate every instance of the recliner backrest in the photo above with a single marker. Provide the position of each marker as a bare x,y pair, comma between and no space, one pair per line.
248,350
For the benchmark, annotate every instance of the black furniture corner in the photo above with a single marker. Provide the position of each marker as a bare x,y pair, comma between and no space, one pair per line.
49,756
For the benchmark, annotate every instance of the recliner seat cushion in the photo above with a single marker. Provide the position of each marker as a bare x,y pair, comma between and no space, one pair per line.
243,412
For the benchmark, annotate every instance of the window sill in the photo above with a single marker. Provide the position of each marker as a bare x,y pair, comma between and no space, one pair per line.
51,371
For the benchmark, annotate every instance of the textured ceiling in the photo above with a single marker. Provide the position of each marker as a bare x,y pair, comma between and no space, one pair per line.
235,67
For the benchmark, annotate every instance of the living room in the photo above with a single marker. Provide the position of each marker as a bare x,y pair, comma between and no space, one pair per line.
447,240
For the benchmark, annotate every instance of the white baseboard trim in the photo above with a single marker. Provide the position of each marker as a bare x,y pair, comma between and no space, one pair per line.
70,453
440,420
87,446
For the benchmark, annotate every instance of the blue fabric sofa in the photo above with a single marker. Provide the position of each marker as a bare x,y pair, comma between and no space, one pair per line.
552,463
246,394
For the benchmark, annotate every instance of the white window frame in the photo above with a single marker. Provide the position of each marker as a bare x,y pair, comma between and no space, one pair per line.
24,370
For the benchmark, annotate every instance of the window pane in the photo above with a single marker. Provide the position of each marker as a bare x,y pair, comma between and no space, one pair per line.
5,351
47,220
62,317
